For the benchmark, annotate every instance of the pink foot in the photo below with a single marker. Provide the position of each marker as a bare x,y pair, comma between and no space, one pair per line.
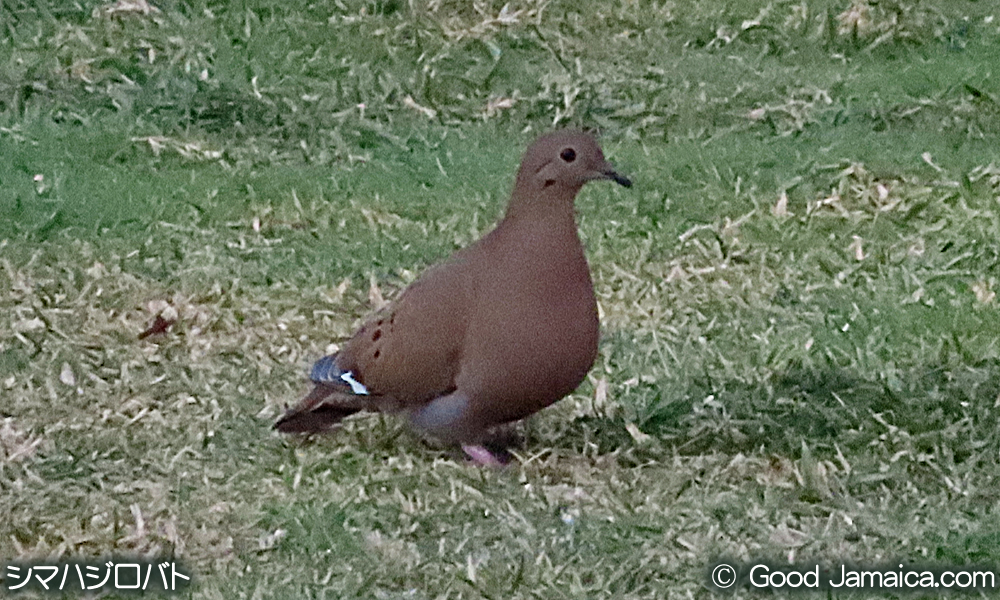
482,456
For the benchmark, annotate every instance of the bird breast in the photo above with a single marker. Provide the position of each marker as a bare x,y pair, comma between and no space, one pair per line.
534,334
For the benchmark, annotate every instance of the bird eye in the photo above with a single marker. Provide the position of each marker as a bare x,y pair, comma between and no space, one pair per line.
568,155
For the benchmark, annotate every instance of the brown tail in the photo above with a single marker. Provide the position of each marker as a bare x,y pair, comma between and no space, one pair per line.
323,408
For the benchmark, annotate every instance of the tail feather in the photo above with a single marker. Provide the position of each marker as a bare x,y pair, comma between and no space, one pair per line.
324,407
335,396
313,414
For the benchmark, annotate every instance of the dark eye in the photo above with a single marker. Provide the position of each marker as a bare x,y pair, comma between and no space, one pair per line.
568,155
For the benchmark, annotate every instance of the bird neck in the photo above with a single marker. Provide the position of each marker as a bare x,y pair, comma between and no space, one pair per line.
529,204
542,228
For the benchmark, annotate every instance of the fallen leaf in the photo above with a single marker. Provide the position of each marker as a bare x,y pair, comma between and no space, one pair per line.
160,325
66,375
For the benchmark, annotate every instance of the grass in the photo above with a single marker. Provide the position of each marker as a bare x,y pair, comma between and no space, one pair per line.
799,359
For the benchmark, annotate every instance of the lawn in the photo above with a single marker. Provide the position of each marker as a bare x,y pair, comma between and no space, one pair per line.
800,355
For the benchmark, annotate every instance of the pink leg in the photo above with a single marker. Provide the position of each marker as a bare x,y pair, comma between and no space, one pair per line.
482,456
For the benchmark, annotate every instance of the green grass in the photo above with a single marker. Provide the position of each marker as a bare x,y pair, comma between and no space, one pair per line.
816,379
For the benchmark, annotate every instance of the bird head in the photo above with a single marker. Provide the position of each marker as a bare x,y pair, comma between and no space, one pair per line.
558,164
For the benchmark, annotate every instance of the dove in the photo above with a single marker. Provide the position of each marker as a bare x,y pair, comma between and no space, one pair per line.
500,330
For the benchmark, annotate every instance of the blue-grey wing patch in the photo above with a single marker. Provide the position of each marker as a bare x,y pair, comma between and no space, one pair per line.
325,370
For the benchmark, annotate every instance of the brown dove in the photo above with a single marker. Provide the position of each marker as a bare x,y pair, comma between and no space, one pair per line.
495,333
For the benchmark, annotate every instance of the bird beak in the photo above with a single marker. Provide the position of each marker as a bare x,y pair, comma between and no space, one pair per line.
610,173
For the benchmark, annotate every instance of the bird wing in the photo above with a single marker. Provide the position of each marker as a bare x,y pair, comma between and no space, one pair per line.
405,355
411,351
